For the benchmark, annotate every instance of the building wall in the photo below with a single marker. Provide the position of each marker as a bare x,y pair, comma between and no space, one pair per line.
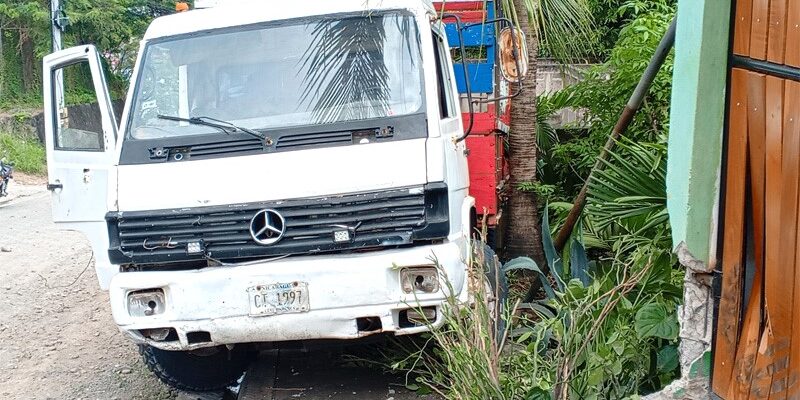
697,122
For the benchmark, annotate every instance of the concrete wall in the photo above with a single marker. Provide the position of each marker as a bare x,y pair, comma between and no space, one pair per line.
697,122
82,116
693,176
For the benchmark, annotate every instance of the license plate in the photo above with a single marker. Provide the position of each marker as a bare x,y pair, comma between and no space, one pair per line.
278,298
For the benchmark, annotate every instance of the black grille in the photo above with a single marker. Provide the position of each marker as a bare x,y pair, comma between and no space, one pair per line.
388,218
252,145
226,147
314,139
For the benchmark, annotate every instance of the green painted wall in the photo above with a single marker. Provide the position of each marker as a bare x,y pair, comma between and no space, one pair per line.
697,122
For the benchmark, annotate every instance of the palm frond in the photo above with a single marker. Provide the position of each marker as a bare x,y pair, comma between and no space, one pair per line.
345,63
564,27
630,192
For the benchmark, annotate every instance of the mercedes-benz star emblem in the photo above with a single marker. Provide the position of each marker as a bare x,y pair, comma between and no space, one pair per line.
267,227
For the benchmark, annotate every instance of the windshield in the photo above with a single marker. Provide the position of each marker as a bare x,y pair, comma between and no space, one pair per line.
283,74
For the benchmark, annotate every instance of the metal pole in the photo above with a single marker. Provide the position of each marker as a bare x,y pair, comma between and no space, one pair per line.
624,121
55,28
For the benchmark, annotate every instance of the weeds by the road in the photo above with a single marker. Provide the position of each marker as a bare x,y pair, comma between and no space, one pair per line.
464,358
27,154
611,334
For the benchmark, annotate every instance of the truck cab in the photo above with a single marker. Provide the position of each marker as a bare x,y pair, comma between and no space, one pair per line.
277,174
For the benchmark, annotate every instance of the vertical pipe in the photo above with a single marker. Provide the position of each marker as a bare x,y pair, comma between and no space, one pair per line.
55,28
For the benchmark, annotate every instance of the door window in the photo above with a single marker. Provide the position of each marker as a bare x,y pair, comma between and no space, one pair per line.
443,78
78,120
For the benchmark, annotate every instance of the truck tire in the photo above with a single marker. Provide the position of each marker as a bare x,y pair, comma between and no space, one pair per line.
196,371
498,284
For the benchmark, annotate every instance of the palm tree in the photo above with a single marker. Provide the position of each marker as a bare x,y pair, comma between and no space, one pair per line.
564,28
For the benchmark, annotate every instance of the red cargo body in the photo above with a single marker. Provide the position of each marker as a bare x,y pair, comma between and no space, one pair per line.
487,161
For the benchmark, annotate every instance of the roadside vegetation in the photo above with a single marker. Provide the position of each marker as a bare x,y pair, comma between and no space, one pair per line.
25,38
601,318
26,153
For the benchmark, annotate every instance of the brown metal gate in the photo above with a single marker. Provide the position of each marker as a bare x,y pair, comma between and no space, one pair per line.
757,344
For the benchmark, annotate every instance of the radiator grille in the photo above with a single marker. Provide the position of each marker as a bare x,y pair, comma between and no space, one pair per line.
387,218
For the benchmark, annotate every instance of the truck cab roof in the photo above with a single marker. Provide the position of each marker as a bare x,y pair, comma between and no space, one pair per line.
229,13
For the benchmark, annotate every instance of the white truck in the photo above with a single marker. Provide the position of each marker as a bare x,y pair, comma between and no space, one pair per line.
281,172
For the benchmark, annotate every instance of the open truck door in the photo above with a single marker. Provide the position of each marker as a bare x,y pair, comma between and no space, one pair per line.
80,143
80,147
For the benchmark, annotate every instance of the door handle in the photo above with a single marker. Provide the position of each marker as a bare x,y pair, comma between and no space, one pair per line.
54,186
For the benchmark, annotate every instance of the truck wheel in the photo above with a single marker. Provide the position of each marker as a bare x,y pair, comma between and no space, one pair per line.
198,371
497,283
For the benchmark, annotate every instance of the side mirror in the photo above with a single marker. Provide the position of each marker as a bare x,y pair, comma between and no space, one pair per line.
513,54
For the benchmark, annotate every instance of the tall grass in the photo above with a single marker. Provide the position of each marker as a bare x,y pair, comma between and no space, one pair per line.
463,359
28,155
583,342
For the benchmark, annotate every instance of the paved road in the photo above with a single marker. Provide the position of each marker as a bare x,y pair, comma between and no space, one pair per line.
58,341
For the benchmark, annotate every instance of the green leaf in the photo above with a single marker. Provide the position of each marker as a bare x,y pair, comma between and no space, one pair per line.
524,263
654,320
618,347
595,377
525,336
539,394
578,262
542,310
423,390
553,259
527,264
667,359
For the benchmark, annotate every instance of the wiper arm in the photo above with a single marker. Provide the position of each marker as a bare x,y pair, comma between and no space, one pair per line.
224,126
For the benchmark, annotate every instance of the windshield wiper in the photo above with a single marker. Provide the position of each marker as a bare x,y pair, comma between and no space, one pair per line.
224,126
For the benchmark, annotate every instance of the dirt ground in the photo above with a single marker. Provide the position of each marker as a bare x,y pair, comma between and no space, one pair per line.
58,340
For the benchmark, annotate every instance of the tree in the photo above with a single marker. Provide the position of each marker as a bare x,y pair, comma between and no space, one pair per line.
564,29
25,37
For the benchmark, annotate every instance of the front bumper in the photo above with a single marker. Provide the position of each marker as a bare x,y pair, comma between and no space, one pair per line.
341,288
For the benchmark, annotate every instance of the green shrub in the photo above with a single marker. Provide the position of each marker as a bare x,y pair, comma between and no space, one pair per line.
605,329
28,155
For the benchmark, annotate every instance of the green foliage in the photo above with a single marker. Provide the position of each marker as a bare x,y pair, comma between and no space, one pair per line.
464,359
563,27
608,337
606,328
628,201
612,15
611,337
606,89
654,320
27,154
113,26
541,190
